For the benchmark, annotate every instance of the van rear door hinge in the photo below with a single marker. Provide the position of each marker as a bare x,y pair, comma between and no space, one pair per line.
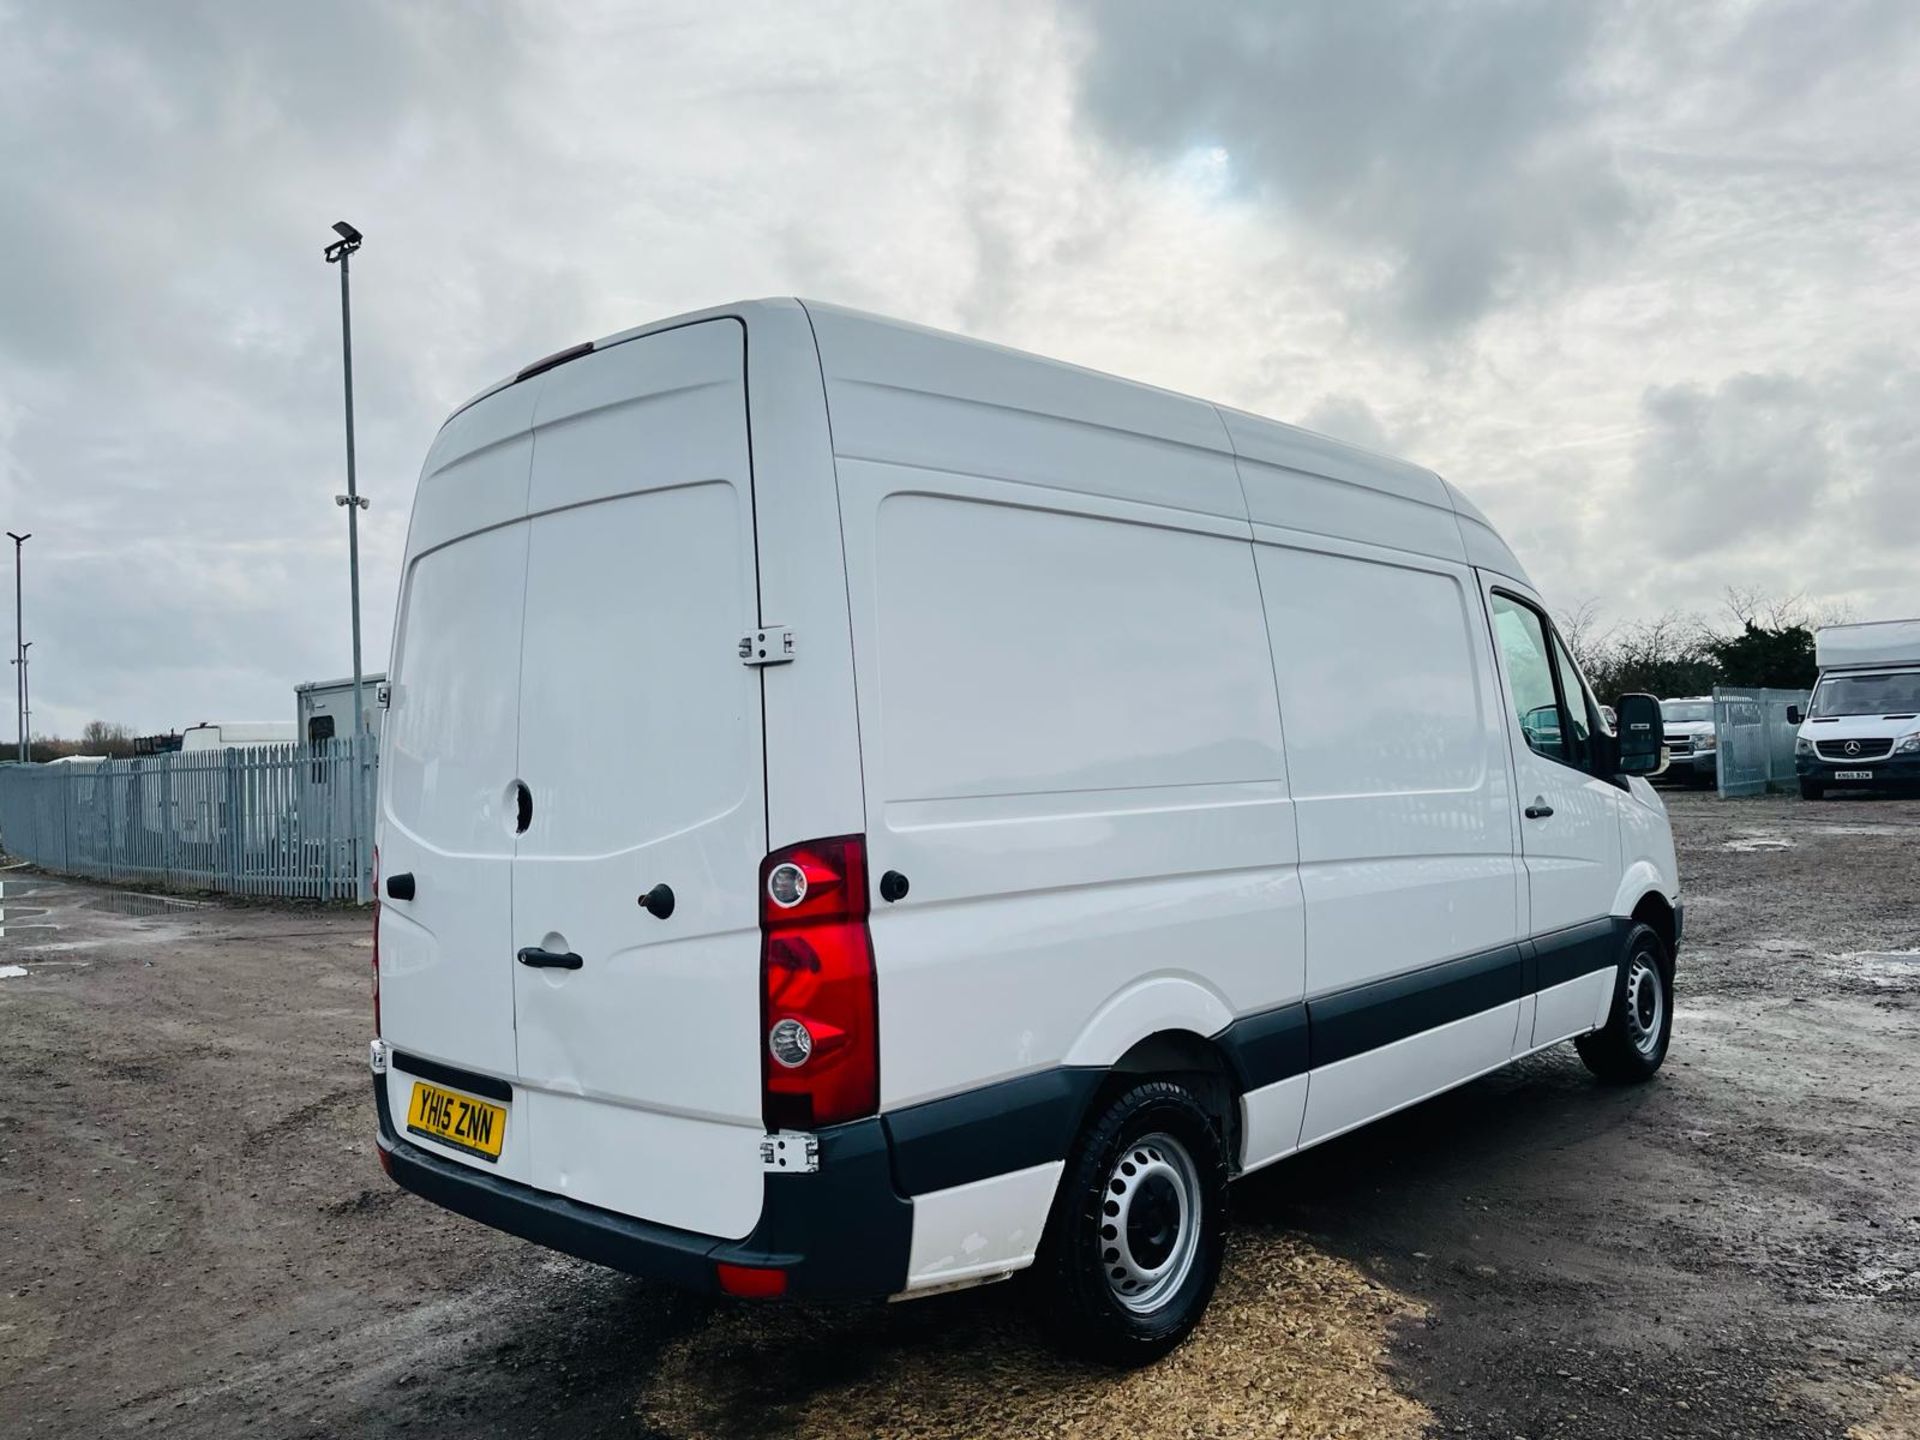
770,645
794,1151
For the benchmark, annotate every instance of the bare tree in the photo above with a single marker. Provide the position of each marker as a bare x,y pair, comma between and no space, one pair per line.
103,737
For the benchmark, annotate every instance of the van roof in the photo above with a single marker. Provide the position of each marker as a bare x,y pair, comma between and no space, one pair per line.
1289,447
345,682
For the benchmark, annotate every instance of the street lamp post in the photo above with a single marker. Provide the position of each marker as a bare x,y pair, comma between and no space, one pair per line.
26,695
19,643
338,252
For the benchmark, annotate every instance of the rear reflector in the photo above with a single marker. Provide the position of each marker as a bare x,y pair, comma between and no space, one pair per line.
750,1282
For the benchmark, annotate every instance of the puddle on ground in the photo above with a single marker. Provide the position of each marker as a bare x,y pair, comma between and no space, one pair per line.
1748,841
1865,829
1890,969
25,932
12,972
128,902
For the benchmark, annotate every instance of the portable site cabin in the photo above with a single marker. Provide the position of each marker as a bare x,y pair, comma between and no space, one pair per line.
323,709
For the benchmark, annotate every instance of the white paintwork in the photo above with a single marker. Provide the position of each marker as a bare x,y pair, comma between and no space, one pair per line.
1572,856
1160,1002
1523,1024
983,1228
1348,1093
1397,747
1874,644
1172,715
1270,1120
1572,1007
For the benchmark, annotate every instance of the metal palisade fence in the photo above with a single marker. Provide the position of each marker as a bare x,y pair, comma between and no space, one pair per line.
1755,738
252,820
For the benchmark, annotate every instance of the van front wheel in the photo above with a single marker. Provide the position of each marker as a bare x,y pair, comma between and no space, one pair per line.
1634,1042
1133,1248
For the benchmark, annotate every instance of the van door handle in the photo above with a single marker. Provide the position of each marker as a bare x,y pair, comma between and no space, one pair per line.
540,959
1539,810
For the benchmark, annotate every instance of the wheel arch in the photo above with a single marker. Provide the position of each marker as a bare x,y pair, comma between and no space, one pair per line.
1655,910
1190,1059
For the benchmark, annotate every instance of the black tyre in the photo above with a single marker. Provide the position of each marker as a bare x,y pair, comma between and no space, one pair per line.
1133,1247
1812,790
1634,1041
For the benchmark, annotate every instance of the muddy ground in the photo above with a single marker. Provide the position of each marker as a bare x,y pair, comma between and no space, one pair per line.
195,1238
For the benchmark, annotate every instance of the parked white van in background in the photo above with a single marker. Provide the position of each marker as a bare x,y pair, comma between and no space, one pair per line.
866,812
1862,727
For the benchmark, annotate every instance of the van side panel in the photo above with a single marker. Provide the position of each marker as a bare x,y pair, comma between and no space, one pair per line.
1399,761
814,786
1073,753
1306,482
1069,735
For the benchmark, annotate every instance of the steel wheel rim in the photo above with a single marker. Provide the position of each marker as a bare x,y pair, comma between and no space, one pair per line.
1646,1004
1150,1222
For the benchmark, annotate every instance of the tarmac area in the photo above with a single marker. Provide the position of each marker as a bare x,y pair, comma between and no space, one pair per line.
196,1239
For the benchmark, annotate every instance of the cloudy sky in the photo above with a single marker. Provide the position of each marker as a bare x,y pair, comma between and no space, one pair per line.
1643,279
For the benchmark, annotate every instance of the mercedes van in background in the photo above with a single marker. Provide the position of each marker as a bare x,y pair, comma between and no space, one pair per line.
1862,726
866,812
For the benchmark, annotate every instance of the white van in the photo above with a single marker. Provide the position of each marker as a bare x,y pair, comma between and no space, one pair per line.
1862,727
866,812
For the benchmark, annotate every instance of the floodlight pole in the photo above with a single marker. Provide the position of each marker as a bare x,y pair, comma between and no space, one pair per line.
349,242
19,643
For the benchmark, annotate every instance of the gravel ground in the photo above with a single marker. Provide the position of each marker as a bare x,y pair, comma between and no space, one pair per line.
195,1238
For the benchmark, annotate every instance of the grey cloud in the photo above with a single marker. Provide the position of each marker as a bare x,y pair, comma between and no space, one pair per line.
1787,482
1348,418
1715,465
1448,147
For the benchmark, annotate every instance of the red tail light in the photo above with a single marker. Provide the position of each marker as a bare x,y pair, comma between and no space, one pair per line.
376,942
819,1017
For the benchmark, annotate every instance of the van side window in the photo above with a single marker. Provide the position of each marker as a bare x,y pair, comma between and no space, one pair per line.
1575,692
1536,701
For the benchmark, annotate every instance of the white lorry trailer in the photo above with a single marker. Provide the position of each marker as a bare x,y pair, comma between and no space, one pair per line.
1862,727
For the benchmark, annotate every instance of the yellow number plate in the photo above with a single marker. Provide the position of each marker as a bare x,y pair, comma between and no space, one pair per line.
457,1120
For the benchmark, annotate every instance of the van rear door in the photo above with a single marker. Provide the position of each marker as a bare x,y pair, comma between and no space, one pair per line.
448,762
640,744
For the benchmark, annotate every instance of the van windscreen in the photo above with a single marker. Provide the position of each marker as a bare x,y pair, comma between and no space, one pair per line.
1891,693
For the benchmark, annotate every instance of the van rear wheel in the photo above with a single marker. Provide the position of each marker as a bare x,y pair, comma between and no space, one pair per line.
1634,1042
1133,1248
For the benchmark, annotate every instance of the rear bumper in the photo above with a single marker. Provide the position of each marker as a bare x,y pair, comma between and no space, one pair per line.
842,1232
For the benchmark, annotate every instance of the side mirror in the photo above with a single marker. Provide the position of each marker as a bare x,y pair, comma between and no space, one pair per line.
1795,715
1642,744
